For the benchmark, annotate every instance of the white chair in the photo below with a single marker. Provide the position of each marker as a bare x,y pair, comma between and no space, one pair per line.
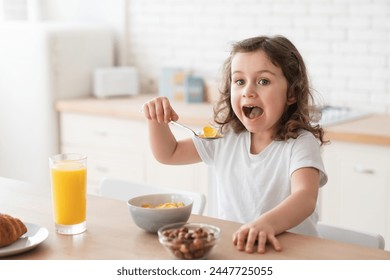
124,190
348,235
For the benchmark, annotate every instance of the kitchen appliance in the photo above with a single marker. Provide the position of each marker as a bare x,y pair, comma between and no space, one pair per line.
39,64
115,81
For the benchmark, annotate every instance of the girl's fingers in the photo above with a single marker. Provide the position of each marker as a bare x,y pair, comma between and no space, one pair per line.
159,109
275,243
174,116
261,241
147,111
239,240
234,238
169,113
251,240
245,240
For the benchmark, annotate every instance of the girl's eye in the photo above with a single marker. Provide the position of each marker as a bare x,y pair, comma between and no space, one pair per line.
263,82
239,82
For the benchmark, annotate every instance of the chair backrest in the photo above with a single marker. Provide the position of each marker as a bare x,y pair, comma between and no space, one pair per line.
124,190
348,235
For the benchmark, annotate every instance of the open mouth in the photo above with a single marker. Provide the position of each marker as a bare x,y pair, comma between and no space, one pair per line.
252,112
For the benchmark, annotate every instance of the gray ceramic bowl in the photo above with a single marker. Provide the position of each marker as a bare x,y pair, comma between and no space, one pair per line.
151,219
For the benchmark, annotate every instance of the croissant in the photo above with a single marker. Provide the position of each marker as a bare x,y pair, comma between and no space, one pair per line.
10,229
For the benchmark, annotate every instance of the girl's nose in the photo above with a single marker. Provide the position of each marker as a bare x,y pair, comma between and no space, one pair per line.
249,92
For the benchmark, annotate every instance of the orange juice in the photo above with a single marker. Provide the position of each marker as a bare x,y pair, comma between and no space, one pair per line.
69,192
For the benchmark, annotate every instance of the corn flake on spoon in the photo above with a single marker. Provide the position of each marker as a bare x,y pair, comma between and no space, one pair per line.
209,133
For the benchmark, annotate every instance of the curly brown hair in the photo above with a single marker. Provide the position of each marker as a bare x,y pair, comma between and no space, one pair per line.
285,55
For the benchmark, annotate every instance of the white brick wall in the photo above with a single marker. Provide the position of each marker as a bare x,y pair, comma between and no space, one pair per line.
345,43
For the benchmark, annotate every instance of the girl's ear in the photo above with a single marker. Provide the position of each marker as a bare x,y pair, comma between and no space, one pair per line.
291,98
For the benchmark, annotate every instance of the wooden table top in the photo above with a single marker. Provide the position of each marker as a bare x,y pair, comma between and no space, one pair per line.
111,233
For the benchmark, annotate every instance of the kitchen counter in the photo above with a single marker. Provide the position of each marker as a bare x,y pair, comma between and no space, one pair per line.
111,233
373,129
195,114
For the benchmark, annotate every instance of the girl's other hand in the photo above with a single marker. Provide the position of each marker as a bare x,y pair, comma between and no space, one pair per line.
254,237
159,110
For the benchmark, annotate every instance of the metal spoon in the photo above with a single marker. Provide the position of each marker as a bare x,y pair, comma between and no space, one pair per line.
218,136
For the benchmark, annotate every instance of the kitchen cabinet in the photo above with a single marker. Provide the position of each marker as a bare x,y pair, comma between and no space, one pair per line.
358,191
119,147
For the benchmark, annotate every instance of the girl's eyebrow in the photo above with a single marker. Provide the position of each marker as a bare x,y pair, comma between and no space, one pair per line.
258,72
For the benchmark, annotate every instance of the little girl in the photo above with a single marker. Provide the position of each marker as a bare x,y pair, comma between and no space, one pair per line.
268,165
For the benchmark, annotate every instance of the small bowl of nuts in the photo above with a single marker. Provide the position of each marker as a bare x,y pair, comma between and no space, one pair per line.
189,241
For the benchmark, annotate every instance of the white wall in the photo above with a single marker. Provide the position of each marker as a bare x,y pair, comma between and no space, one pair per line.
346,43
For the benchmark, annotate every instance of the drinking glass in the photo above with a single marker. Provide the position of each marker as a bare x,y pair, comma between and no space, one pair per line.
69,192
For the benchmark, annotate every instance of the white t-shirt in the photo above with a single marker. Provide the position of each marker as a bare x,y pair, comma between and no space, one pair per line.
248,185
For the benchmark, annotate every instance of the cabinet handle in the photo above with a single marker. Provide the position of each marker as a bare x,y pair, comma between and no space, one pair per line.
102,169
101,133
363,170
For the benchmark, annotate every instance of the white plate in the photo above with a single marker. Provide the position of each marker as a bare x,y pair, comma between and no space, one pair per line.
34,236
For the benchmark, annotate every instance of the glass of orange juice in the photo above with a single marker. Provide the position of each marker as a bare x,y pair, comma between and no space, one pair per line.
69,191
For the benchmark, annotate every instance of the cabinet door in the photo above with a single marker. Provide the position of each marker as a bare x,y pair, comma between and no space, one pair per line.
358,192
363,187
329,195
99,132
